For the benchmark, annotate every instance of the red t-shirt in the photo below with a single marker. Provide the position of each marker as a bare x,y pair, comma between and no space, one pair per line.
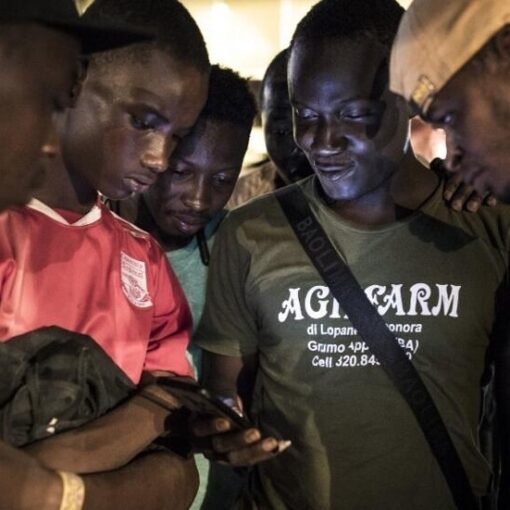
99,276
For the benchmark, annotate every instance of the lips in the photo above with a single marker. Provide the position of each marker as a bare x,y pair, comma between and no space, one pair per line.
139,184
335,169
189,224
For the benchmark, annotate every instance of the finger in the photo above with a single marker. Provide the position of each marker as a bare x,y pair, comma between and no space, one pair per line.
491,200
474,203
224,443
204,427
462,195
451,186
261,451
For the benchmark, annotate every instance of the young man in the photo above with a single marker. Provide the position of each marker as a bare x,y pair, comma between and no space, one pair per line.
432,273
183,210
460,83
40,44
291,164
66,260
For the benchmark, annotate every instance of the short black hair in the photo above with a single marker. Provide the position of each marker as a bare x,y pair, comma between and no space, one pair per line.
171,23
350,19
277,67
230,99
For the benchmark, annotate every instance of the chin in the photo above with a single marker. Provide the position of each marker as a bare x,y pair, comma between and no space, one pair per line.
117,194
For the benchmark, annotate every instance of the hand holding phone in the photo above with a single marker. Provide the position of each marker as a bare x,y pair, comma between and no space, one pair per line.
199,400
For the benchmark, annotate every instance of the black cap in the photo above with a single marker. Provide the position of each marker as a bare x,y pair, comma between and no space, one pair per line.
63,15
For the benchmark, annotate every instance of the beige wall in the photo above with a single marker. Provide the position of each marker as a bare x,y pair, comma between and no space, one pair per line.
246,34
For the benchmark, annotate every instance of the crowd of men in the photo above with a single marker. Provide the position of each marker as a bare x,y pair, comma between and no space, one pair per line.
120,146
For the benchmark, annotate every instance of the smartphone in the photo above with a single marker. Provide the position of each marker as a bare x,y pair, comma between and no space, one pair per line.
198,399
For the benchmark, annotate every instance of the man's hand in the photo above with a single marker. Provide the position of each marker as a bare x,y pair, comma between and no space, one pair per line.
460,195
218,440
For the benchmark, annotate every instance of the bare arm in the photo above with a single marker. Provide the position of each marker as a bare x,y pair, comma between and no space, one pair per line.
156,481
108,442
25,484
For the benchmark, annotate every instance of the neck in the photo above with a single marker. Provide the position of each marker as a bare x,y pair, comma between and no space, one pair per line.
61,190
393,200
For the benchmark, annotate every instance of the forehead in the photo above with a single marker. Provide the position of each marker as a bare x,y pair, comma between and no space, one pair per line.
335,69
158,78
276,97
221,143
29,44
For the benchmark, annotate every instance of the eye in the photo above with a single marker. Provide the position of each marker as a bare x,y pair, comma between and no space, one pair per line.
281,131
146,119
224,180
180,173
304,113
440,120
356,115
448,119
141,122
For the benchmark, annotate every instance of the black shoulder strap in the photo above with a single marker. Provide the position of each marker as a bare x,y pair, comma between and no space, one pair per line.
381,342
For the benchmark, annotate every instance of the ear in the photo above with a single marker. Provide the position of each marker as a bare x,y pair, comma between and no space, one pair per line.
81,75
51,146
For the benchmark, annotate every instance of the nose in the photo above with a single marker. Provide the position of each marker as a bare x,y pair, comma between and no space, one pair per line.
329,138
454,153
155,157
198,197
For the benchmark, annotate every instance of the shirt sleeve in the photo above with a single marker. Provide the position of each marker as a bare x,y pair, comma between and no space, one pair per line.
171,323
228,324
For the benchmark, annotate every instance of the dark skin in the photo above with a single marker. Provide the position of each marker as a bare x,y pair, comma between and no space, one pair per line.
356,142
474,110
117,138
290,161
368,199
26,483
354,132
34,85
122,129
201,177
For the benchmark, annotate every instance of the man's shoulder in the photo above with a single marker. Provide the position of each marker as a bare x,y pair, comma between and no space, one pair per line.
489,224
265,207
126,226
133,237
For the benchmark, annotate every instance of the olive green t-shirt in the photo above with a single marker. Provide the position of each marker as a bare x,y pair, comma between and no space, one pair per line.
355,444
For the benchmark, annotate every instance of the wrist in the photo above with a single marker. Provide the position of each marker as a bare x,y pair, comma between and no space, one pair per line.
44,488
159,396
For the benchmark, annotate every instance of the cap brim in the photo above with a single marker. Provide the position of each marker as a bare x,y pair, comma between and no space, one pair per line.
100,37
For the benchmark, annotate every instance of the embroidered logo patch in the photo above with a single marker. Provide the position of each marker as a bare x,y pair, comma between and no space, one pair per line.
134,281
423,93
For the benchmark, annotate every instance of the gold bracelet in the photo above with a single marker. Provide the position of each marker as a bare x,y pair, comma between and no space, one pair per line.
73,491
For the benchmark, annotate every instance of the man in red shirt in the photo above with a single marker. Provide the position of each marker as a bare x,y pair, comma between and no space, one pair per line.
39,53
66,260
